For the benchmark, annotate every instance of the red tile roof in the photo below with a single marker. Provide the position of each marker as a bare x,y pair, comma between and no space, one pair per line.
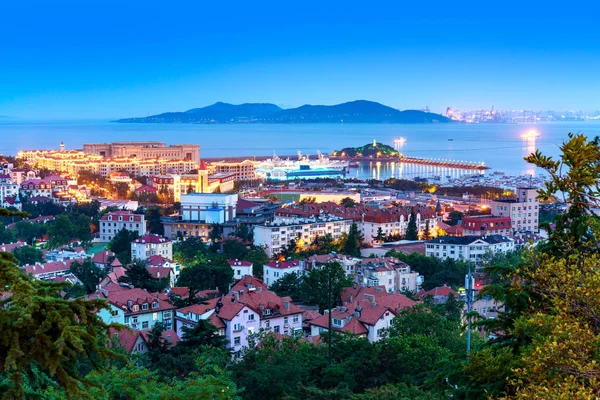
49,267
158,261
123,299
244,204
442,291
240,263
151,239
9,248
168,334
283,264
102,256
350,294
257,297
146,189
127,338
159,272
115,216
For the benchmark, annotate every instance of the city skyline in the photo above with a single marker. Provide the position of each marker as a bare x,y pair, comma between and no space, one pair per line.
81,62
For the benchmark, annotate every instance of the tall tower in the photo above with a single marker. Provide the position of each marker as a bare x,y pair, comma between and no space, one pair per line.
202,177
62,146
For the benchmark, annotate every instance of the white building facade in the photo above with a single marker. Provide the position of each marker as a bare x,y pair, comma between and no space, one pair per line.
151,245
468,248
276,235
523,212
111,223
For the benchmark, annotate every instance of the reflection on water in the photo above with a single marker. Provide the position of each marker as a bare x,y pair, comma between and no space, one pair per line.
389,169
529,147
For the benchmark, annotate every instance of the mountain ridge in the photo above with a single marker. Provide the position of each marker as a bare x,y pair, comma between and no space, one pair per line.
358,111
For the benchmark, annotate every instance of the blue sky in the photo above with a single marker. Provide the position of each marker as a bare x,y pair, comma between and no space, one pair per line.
110,59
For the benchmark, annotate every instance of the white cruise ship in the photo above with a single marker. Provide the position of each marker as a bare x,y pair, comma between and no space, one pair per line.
303,168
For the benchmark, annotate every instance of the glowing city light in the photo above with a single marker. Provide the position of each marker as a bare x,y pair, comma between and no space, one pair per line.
532,134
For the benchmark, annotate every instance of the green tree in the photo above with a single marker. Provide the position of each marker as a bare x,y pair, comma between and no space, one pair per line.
348,202
352,242
380,235
212,274
216,233
28,255
288,285
427,231
412,231
203,334
44,335
153,215
258,258
121,245
191,250
244,232
314,288
121,190
61,231
454,217
7,235
27,231
137,274
234,249
88,273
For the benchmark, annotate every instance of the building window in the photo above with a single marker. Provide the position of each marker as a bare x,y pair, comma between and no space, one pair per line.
135,308
155,304
145,325
145,306
295,318
276,329
251,317
237,340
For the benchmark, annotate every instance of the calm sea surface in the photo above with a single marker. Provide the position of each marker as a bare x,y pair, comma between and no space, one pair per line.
498,145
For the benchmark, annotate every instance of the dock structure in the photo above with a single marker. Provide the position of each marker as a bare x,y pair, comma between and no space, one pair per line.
469,165
444,163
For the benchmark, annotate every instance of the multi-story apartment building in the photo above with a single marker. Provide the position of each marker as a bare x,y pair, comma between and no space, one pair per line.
523,211
481,225
241,170
151,245
248,308
179,185
275,270
240,268
199,211
468,248
73,162
276,235
389,272
8,189
145,150
136,309
111,223
317,261
369,218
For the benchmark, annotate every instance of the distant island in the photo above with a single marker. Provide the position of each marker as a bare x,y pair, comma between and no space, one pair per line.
371,150
360,111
